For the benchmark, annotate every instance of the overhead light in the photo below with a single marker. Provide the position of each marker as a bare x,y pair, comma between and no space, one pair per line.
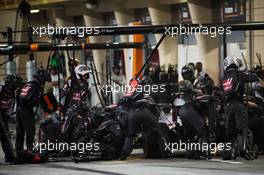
91,4
34,11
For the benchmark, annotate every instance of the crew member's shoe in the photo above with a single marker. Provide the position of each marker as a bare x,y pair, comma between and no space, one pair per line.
9,159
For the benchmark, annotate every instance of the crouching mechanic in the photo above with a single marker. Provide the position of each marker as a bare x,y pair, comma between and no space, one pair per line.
235,109
28,98
7,100
144,114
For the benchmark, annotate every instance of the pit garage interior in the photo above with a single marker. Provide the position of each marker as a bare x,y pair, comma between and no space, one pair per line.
131,34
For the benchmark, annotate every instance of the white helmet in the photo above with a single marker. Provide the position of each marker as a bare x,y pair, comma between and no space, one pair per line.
81,70
229,60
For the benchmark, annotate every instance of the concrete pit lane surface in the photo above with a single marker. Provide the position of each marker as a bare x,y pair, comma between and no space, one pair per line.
136,164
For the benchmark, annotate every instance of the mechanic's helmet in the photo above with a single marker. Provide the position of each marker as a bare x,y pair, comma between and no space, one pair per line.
82,72
185,86
192,66
125,101
232,62
42,75
206,84
12,82
187,73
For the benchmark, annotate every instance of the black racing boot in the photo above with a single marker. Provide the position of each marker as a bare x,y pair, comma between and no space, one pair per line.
9,159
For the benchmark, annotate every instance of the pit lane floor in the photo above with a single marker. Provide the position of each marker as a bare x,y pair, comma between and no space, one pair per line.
136,164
